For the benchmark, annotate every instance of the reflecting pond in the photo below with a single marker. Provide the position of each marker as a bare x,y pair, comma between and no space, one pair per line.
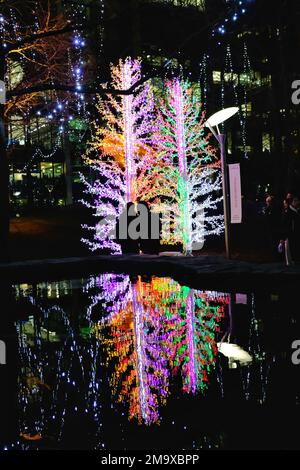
135,362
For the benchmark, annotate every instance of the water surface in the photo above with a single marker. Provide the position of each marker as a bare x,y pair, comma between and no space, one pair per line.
124,362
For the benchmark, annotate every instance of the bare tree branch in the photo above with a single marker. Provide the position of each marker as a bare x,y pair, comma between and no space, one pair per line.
35,37
85,90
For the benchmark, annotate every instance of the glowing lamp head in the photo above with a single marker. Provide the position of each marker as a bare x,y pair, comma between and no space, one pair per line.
221,116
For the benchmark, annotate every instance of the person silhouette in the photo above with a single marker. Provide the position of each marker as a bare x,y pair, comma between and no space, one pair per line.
128,244
150,233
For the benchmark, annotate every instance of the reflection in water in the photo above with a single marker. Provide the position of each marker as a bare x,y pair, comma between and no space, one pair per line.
93,351
152,328
134,336
59,371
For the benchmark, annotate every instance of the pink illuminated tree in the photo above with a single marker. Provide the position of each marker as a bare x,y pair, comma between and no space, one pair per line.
120,154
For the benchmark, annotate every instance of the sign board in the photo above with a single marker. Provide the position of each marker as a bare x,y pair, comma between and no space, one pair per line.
2,92
241,299
235,193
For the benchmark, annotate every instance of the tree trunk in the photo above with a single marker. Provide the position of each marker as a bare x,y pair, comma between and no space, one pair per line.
69,173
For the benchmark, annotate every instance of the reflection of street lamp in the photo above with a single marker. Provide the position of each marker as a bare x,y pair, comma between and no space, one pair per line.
214,121
232,351
235,354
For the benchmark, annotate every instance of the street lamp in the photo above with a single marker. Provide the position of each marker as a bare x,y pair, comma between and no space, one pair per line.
214,121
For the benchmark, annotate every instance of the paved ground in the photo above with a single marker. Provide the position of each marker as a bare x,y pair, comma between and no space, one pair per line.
47,245
203,271
47,234
56,233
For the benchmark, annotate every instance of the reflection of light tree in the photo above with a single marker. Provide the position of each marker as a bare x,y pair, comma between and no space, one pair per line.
140,333
112,291
141,375
163,326
196,345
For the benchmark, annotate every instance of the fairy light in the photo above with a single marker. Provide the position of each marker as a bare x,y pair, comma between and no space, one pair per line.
41,156
101,32
153,330
237,9
203,78
69,349
56,105
242,119
247,73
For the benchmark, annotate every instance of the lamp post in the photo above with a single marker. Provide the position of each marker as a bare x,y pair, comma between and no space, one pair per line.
214,121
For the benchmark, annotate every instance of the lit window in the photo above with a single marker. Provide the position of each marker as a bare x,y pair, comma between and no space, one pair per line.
231,77
246,109
245,79
252,79
267,80
216,76
266,142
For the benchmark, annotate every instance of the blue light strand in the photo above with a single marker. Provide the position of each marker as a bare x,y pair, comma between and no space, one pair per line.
238,9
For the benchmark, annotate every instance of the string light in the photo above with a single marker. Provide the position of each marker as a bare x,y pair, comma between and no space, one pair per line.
242,118
13,29
237,9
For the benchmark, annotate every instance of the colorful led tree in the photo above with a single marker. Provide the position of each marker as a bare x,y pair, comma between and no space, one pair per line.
191,167
120,154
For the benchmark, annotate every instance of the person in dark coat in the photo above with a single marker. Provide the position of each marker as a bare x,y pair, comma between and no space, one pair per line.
150,230
291,228
289,198
271,214
128,244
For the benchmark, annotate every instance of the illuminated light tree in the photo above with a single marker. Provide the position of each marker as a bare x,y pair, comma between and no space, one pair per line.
191,168
36,51
196,345
29,51
40,43
120,154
